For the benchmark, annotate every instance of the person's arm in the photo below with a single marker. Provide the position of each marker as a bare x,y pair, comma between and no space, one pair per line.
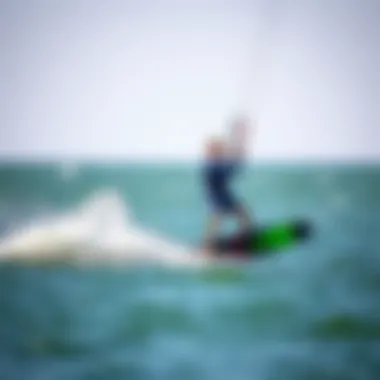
239,139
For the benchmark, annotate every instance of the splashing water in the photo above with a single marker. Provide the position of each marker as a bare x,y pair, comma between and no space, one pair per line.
102,224
106,212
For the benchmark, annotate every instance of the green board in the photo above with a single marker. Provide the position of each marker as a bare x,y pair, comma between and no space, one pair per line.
265,239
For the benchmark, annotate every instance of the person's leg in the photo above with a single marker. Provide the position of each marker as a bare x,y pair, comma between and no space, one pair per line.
213,224
244,219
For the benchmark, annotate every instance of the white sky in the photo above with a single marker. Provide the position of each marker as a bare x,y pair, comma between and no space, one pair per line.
151,79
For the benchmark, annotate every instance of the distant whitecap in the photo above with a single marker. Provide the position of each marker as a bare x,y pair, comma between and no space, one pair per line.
68,171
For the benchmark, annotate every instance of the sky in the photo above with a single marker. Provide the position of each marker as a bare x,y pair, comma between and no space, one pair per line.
152,79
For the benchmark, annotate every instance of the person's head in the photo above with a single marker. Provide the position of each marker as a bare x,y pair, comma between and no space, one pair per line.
215,148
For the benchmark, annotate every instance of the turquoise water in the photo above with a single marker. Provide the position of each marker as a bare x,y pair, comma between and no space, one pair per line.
312,312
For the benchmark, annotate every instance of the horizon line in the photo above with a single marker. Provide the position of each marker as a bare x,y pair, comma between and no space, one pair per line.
85,160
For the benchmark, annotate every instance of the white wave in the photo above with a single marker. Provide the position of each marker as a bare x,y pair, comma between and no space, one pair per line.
102,228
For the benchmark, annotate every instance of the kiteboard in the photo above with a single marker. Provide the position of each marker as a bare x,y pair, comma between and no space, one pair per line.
264,240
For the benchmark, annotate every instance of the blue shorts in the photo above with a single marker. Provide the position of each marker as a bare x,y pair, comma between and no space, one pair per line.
224,203
216,177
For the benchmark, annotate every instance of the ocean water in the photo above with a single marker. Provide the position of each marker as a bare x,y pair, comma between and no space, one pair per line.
311,312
